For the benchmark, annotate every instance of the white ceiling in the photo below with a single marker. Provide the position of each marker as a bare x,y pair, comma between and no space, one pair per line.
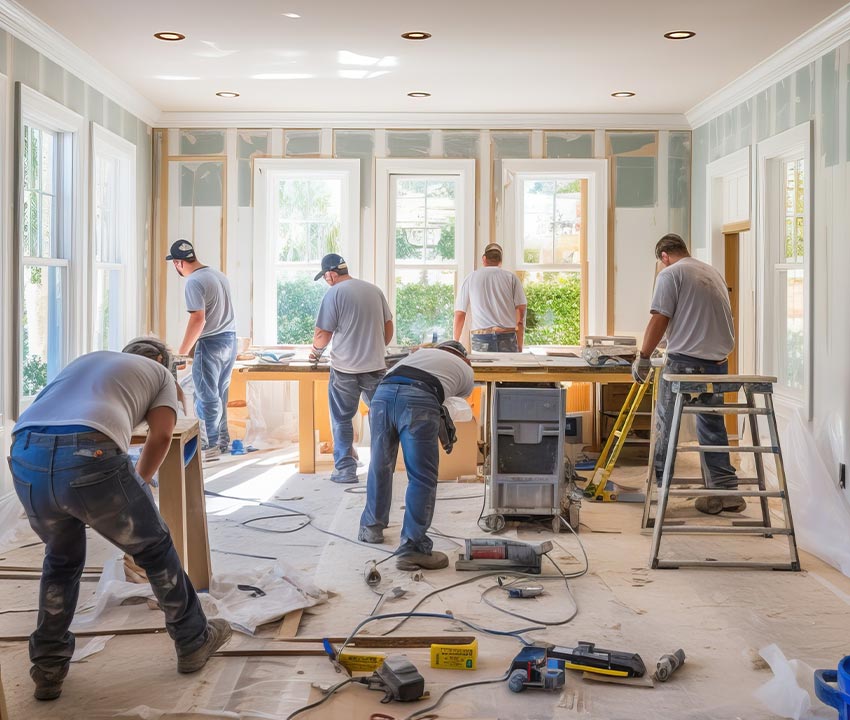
528,56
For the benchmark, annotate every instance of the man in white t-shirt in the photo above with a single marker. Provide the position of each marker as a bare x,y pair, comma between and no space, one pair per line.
691,306
355,314
71,469
497,301
407,409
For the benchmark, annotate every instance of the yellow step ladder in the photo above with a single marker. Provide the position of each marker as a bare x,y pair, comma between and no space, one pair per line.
599,488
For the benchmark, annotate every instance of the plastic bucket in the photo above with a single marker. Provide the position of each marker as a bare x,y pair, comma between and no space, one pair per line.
837,697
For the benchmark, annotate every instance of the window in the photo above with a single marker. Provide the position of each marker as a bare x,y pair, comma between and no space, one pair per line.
425,242
784,190
555,239
52,308
115,316
305,209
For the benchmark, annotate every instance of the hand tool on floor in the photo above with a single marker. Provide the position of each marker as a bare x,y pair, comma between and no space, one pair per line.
525,591
668,664
501,554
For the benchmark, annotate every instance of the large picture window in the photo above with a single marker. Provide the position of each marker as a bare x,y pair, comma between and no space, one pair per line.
304,209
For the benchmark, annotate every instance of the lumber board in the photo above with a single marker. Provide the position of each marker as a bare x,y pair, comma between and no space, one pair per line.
93,633
272,652
389,641
289,624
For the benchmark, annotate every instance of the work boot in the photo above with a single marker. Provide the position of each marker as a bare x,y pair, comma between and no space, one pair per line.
48,684
344,477
373,535
716,504
219,633
422,561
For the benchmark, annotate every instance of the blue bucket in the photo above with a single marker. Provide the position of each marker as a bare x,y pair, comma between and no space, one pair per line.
839,697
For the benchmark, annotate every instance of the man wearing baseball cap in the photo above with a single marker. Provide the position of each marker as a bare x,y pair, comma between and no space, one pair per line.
408,409
497,301
355,314
212,331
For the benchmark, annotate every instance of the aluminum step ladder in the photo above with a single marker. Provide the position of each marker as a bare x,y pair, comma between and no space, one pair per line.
599,487
687,391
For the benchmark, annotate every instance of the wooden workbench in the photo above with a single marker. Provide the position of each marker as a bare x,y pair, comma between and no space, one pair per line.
181,500
487,367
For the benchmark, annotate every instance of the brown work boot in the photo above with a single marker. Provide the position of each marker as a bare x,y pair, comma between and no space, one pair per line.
48,684
716,504
219,633
422,561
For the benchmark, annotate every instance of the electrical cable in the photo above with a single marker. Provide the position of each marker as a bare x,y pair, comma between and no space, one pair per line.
328,693
437,704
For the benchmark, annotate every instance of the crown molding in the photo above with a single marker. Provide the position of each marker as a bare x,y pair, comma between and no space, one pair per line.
823,37
401,120
21,23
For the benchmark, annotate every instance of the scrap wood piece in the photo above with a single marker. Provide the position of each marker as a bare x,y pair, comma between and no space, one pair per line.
645,681
94,633
273,652
289,625
389,641
90,577
38,569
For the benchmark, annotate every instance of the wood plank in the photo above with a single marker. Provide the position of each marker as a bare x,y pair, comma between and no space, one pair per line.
272,652
289,624
306,425
93,633
387,641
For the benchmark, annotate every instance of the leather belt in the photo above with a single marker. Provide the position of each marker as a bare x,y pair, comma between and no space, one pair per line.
492,330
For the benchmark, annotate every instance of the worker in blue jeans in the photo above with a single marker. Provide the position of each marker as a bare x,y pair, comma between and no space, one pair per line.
70,469
691,307
406,410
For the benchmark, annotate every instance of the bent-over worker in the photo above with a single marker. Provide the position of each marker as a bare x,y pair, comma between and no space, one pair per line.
407,408
71,469
691,306
497,302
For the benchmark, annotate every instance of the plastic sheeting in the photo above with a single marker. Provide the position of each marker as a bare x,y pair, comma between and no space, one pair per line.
790,694
821,515
272,414
11,521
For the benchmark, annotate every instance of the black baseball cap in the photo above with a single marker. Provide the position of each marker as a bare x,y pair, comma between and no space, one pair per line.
332,261
181,250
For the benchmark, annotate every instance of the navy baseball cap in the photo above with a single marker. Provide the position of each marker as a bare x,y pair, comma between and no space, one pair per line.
181,250
332,261
453,346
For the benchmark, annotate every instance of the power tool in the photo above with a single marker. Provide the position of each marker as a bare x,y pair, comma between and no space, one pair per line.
668,664
542,665
500,554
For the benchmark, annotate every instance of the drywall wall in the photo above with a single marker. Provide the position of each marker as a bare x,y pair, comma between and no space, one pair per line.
818,92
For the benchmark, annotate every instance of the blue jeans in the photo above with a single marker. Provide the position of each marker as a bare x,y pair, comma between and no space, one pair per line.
66,482
344,391
410,414
711,429
494,342
211,370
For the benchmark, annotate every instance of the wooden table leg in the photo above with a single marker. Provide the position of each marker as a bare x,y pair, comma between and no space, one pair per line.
172,496
197,560
306,427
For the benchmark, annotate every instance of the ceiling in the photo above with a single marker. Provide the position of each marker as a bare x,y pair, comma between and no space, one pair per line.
534,56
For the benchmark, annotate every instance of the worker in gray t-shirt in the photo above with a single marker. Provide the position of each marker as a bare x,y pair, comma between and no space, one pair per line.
212,332
355,314
691,306
71,470
497,301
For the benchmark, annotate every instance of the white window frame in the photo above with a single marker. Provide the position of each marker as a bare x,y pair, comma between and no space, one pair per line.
794,143
105,143
514,172
267,172
40,111
463,171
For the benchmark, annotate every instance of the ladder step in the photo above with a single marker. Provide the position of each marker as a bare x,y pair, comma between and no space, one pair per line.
763,449
752,565
733,493
727,530
726,410
700,481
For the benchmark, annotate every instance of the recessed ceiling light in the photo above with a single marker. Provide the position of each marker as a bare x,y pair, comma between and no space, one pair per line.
294,16
417,35
623,93
169,36
679,35
227,94
418,94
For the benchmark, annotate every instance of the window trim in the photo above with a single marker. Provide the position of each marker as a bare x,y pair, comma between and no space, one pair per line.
106,143
595,171
464,170
34,108
266,171
793,143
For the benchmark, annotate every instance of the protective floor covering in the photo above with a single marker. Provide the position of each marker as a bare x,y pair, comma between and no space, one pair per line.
719,617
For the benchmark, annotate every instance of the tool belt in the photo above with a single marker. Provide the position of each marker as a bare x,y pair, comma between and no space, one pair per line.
492,331
447,432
